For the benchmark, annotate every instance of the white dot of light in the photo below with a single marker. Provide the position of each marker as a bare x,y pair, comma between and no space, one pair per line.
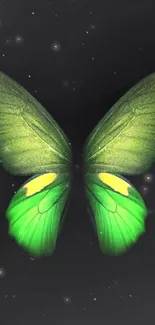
144,189
56,46
18,39
65,84
148,177
92,27
67,299
8,41
2,272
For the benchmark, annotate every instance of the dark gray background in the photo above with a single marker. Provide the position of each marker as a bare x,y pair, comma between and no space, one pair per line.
77,58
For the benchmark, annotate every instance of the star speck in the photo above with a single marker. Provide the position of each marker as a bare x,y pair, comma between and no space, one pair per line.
2,272
18,39
65,84
148,177
151,211
56,46
67,299
8,41
144,190
92,27
56,15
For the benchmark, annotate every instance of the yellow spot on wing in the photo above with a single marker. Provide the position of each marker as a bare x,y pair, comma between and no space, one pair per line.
37,184
115,182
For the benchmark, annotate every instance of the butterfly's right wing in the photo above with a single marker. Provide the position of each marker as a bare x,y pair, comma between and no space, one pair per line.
123,143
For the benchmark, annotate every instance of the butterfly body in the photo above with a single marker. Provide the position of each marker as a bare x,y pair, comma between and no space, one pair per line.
32,144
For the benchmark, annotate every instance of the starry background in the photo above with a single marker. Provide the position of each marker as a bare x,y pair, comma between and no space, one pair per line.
77,57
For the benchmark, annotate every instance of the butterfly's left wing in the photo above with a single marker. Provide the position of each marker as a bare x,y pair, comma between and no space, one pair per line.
122,143
36,212
32,143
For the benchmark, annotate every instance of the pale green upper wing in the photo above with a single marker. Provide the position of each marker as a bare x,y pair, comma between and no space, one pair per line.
124,141
30,140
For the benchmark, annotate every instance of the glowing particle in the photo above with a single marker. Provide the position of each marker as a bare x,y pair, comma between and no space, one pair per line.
56,46
19,39
2,272
65,84
148,177
67,299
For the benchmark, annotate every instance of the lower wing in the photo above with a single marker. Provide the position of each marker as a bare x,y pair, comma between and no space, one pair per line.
36,211
118,210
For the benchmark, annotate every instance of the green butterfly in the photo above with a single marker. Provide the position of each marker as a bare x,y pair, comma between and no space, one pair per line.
31,143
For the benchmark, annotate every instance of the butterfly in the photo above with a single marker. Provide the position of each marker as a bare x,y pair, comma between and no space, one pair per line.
32,143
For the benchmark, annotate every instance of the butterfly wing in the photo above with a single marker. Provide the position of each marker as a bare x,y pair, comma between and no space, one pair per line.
122,143
118,211
30,140
36,211
124,140
32,143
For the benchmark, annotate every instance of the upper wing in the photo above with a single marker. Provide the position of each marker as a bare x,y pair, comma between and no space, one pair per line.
30,140
36,211
118,210
124,141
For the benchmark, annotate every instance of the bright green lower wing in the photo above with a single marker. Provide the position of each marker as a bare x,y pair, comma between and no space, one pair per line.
118,210
31,142
36,211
